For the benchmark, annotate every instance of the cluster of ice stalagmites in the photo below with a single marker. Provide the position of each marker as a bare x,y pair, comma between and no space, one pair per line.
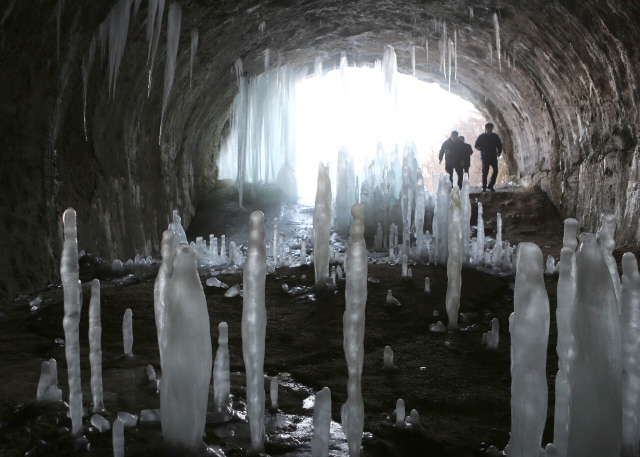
352,411
186,348
254,327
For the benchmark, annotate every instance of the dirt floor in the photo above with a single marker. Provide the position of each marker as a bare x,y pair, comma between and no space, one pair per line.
461,390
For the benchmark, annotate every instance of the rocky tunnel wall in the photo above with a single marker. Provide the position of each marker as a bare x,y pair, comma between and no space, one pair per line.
563,95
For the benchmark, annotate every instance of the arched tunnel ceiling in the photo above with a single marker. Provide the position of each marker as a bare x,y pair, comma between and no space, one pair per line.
564,100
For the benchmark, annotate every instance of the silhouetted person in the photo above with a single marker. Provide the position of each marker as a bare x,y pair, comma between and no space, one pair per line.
453,159
490,148
466,152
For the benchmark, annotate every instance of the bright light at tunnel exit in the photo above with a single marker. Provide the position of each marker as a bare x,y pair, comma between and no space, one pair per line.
329,115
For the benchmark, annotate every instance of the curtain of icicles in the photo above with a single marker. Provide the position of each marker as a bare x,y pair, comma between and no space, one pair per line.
260,147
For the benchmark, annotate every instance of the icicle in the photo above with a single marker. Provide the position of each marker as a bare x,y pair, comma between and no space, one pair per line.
154,26
118,30
318,67
413,60
450,52
136,7
194,48
496,26
173,39
490,58
261,27
471,12
58,12
455,53
87,63
267,55
427,46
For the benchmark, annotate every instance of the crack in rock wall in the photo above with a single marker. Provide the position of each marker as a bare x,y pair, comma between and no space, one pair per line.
563,96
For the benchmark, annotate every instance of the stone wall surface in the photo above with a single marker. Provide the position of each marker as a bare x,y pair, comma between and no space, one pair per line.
563,96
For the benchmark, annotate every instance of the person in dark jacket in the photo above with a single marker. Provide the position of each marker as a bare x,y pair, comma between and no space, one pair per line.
453,158
490,148
467,151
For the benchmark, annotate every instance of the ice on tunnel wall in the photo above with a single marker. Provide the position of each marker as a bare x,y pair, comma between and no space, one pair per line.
173,39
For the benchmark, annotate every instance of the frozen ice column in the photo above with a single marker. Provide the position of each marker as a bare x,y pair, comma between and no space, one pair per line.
352,412
254,326
595,428
186,344
454,263
321,424
221,381
529,327
159,289
322,224
630,318
465,203
95,346
127,332
70,275
564,348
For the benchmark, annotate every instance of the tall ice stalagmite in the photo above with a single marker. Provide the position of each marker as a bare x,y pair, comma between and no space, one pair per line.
322,224
595,428
454,263
630,318
321,424
162,279
95,346
70,275
529,327
607,245
254,327
352,411
186,345
221,373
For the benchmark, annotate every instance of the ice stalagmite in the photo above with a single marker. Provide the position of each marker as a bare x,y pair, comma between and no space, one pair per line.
564,348
321,424
480,237
400,413
127,332
95,346
497,249
607,245
352,412
595,427
273,393
194,48
345,185
186,345
70,275
254,327
48,384
118,438
529,327
160,287
174,21
420,208
440,219
322,224
630,318
221,373
454,264
465,202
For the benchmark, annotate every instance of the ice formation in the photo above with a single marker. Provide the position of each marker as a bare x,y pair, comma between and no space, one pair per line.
529,328
127,332
254,326
273,393
186,345
70,275
160,287
566,301
550,266
322,224
496,26
154,26
427,285
321,424
595,427
414,419
174,20
465,202
221,372
48,384
630,319
118,20
493,336
479,254
87,64
497,249
607,245
345,188
400,412
454,263
100,423
388,359
128,419
440,220
151,373
118,438
438,327
391,300
352,412
95,346
194,48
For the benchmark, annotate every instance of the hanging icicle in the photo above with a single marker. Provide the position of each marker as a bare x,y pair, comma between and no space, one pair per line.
318,67
496,25
118,31
154,26
455,52
87,63
136,7
194,48
173,38
267,59
413,60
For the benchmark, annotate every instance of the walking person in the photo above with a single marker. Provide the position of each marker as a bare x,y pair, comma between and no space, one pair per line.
466,152
490,147
453,158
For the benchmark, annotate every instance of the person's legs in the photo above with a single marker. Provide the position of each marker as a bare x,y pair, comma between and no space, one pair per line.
460,171
449,169
494,173
485,172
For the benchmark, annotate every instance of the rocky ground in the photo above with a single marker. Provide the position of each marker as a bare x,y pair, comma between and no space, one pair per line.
461,390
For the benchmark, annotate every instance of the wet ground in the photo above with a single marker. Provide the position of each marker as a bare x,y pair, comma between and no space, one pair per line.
460,389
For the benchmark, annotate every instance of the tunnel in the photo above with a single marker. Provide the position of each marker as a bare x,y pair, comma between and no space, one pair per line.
562,90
